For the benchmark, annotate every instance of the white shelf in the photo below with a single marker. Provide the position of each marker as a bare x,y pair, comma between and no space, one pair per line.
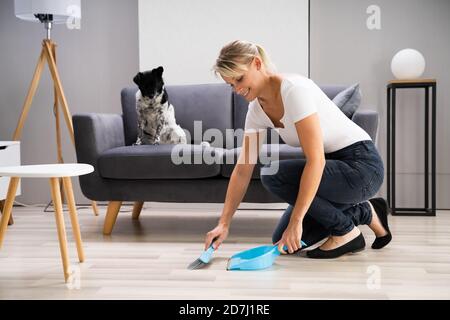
9,143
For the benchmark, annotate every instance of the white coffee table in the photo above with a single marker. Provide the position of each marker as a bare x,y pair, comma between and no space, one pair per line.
53,172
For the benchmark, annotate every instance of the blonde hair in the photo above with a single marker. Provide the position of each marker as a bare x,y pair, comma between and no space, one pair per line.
235,58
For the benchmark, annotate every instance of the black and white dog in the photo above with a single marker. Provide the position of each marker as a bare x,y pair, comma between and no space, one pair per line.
156,116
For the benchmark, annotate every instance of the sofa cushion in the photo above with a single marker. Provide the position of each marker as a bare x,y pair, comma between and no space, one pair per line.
349,100
130,125
209,103
155,162
268,152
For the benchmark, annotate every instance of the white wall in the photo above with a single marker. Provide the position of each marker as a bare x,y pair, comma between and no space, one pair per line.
186,36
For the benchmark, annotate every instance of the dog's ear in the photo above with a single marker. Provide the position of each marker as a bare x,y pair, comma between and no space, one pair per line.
160,70
138,78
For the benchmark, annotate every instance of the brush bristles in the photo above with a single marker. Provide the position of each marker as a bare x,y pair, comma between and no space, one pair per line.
196,264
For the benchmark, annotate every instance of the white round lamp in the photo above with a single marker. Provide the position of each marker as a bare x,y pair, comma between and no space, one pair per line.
408,64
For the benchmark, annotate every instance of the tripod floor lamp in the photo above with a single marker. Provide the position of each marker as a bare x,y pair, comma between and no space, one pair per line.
49,12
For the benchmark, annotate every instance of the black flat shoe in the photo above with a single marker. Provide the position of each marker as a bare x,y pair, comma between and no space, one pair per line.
382,210
355,245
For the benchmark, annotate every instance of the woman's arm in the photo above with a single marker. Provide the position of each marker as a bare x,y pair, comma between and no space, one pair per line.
310,137
237,187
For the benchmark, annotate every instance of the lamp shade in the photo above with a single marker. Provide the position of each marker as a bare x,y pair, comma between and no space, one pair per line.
60,9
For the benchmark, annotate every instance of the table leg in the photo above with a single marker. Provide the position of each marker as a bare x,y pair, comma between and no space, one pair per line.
388,153
73,216
433,150
56,196
2,205
12,188
393,177
427,152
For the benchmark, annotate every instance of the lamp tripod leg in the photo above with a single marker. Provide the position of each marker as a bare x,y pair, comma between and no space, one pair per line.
59,89
58,127
50,54
29,99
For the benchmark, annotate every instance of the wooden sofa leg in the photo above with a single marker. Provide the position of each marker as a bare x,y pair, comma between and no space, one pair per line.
137,207
111,216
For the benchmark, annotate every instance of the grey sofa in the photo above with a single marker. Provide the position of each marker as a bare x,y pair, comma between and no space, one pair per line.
125,172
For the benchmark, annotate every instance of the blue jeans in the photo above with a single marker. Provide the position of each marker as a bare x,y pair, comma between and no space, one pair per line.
351,176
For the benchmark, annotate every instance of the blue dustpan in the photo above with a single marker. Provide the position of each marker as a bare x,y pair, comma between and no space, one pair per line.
256,258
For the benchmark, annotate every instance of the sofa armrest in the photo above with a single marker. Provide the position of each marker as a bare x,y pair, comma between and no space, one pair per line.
368,120
95,133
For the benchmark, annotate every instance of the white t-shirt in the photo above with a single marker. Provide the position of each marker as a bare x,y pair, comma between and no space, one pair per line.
302,97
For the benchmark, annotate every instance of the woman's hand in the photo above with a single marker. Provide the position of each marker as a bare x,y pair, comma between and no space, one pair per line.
291,237
219,233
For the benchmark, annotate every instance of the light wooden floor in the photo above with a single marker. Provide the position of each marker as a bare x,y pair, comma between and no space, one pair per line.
147,259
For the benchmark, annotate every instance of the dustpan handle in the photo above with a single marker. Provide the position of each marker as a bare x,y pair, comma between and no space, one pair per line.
303,244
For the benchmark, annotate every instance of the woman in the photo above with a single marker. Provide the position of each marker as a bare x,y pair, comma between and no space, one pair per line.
328,191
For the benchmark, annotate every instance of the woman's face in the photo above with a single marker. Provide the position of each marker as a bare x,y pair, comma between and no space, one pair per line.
249,83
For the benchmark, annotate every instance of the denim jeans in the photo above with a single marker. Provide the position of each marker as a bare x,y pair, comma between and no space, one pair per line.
351,176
